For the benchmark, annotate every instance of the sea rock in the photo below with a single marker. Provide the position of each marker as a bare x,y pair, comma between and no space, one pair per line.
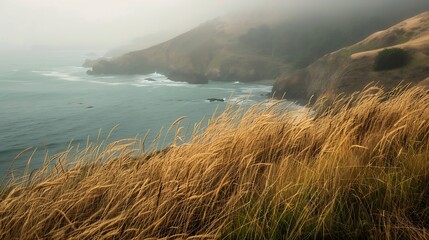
216,99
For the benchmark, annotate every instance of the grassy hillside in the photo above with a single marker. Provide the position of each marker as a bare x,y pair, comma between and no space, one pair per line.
352,68
356,168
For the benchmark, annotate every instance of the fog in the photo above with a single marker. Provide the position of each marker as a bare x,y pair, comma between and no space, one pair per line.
105,24
100,23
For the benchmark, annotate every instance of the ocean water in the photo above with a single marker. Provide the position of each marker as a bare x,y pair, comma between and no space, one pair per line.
47,100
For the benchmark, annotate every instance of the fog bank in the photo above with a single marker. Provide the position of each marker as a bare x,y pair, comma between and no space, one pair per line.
105,24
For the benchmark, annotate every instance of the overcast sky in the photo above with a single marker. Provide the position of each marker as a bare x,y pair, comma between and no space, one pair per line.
106,24
103,23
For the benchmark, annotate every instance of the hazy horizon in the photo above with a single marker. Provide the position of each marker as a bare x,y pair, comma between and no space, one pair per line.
100,23
108,24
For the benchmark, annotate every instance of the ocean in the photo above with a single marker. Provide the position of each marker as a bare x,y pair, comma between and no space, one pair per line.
47,101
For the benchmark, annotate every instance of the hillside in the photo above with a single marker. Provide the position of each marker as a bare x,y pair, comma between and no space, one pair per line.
254,46
352,68
146,41
209,51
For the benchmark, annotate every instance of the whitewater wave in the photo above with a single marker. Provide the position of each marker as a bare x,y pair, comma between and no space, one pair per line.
139,85
150,80
156,79
69,77
108,83
241,100
60,75
256,89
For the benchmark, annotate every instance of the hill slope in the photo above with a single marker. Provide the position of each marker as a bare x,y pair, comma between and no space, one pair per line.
146,41
255,46
352,68
209,51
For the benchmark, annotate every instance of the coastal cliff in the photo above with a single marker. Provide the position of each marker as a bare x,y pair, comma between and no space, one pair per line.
211,51
250,47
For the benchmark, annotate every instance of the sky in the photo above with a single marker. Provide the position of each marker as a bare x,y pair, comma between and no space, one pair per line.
101,23
106,24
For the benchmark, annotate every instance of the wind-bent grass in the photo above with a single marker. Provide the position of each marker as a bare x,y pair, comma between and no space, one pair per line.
357,168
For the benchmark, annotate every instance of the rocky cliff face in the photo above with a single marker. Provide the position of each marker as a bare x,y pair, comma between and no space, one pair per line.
351,69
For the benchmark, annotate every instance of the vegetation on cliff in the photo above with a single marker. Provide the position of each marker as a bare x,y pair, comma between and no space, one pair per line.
355,168
352,68
389,59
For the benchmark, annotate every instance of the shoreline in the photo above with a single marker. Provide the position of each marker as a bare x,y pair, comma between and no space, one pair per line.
268,82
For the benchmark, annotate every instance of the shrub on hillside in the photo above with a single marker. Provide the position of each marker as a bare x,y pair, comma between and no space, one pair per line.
391,59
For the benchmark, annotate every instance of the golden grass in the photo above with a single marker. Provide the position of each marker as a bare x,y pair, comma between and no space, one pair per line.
417,27
358,168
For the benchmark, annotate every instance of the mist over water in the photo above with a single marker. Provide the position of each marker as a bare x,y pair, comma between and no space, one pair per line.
48,100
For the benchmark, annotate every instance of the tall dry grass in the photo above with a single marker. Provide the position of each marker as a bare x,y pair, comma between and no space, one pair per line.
357,168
